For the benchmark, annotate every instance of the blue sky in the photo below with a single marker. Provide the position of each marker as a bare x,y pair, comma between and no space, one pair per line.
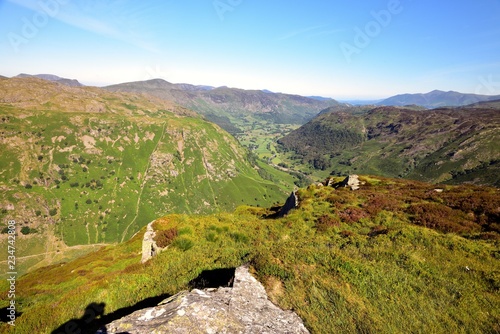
340,49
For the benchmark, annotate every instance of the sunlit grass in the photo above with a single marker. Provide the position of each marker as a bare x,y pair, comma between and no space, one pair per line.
340,270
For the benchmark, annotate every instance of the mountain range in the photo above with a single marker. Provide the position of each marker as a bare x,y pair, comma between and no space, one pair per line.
163,89
436,99
232,108
258,118
124,197
54,78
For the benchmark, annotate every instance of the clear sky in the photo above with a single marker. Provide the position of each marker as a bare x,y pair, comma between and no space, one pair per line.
335,48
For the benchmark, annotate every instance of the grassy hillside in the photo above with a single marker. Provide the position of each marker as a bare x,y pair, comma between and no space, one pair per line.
441,145
82,166
396,256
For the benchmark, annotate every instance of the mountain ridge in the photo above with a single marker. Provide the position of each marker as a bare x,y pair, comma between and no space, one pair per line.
437,98
224,105
432,99
54,78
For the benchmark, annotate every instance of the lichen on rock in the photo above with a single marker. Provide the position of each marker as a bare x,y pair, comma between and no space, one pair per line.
244,308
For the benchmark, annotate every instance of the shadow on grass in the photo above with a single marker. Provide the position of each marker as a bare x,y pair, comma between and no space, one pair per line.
94,320
214,279
8,314
281,211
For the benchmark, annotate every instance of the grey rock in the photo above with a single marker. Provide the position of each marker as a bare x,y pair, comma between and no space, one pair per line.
149,247
244,309
351,181
330,182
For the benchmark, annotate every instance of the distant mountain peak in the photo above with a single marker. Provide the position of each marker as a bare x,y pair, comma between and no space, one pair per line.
53,78
159,80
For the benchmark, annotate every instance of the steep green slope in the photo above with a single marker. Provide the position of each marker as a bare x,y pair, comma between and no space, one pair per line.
394,257
440,145
81,166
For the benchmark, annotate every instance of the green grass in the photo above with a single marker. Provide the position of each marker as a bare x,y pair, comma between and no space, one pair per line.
349,262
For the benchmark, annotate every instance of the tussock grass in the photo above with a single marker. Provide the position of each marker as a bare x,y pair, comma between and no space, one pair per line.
379,272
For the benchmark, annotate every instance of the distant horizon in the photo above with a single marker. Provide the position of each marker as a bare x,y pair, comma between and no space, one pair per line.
344,50
104,84
338,98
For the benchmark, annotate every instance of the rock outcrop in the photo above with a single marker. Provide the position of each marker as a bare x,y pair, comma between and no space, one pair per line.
149,247
351,181
291,203
244,308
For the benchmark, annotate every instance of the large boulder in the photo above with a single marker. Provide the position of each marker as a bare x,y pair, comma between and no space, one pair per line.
242,308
